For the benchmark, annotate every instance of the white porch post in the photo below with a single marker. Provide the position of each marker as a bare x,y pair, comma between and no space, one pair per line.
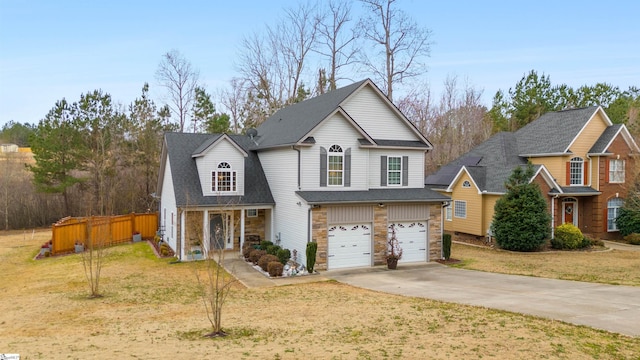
242,211
183,221
205,232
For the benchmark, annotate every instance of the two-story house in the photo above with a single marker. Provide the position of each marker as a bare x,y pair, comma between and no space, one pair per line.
583,165
340,169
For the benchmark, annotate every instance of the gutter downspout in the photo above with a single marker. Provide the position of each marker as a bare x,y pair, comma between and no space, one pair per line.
444,205
553,215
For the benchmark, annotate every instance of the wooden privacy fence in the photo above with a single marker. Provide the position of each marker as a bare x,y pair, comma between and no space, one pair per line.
105,230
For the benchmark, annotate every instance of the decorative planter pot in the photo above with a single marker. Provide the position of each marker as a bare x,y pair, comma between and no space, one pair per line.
392,263
196,253
137,237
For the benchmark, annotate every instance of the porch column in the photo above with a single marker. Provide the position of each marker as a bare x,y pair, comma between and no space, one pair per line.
205,232
183,226
242,211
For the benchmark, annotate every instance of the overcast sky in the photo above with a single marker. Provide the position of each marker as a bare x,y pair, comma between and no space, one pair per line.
51,50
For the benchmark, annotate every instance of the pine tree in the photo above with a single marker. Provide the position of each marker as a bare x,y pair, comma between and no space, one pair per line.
521,221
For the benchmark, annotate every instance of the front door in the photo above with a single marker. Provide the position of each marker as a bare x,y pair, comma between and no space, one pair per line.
569,208
216,231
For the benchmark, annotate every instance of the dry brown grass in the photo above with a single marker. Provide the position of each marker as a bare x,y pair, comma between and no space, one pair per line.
610,267
151,311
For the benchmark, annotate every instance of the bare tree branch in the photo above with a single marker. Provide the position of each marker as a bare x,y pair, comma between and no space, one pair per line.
176,74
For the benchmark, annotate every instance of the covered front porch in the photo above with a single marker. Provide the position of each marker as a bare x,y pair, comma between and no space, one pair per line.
202,230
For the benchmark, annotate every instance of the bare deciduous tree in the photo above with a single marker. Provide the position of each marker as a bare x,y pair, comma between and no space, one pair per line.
214,283
336,41
401,42
97,237
232,99
176,74
273,63
454,126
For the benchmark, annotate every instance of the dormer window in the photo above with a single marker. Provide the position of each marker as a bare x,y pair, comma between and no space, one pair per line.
576,172
224,178
336,165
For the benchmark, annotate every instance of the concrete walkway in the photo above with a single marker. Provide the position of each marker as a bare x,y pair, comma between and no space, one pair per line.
608,307
252,278
620,246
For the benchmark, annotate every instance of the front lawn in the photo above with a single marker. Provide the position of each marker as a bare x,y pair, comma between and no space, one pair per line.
151,311
609,267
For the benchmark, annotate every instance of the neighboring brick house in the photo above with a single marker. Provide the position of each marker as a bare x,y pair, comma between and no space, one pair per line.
583,164
339,169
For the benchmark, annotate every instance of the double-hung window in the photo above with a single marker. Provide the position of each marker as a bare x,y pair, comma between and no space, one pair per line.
613,210
223,179
394,170
336,165
576,174
616,171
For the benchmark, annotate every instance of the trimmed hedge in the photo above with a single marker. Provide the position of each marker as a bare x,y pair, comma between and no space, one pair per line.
446,246
283,255
275,268
273,249
255,255
567,236
312,248
265,260
633,239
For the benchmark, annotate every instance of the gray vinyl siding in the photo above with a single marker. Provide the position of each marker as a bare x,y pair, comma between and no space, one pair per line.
289,218
349,214
336,130
374,115
168,204
223,151
414,177
408,212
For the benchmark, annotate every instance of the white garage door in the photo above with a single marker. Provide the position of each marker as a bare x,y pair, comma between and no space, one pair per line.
412,237
349,246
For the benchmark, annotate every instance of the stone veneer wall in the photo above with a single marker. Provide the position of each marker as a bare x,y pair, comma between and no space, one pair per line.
435,232
319,235
379,235
254,225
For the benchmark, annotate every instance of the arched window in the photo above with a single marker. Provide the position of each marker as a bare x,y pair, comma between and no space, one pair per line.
224,178
613,210
466,184
576,173
335,161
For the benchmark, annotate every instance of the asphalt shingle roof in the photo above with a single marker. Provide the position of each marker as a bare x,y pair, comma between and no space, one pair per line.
609,133
288,125
372,196
186,182
553,132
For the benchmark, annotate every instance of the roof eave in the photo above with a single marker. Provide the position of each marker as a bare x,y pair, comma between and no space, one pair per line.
546,155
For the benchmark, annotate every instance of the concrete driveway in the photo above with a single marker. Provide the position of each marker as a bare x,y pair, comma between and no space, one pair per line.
608,307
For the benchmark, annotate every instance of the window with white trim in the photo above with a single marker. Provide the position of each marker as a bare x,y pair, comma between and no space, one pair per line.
466,184
223,179
394,170
252,212
335,163
460,209
613,210
576,175
448,212
616,171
